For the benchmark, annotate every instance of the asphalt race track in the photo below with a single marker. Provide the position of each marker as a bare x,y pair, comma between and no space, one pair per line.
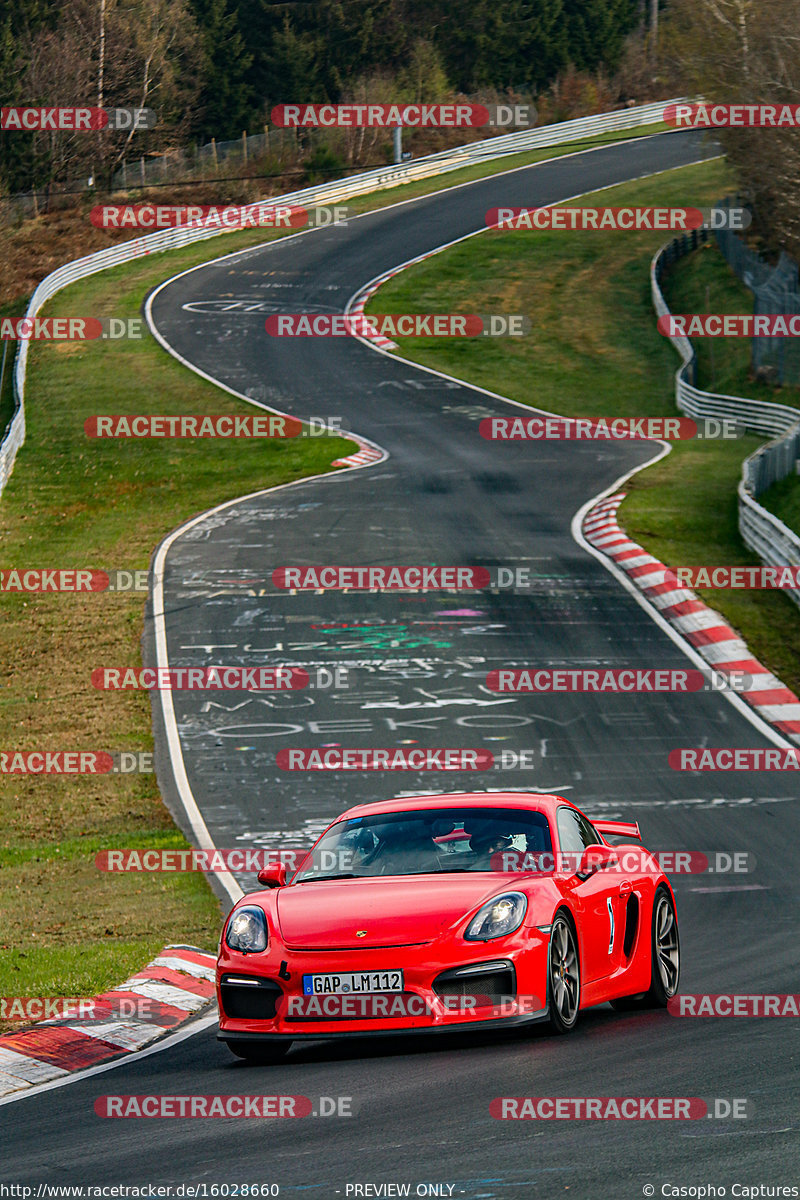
416,666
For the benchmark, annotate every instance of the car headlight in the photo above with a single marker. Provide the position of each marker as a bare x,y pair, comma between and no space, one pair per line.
498,917
247,930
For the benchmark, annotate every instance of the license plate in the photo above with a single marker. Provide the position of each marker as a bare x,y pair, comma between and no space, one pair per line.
352,983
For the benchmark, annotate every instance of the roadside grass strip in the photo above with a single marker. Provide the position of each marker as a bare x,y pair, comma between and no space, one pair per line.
176,985
704,281
594,351
31,250
68,928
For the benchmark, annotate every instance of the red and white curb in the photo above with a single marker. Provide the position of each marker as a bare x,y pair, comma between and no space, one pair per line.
702,627
359,302
367,454
360,326
177,984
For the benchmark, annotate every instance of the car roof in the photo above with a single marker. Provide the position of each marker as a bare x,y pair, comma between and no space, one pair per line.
545,802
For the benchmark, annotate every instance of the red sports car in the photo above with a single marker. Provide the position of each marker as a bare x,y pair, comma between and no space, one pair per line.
447,912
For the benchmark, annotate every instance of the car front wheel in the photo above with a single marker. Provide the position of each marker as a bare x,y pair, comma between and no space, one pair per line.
563,977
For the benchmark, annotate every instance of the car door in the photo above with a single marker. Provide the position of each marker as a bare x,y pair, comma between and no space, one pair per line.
598,900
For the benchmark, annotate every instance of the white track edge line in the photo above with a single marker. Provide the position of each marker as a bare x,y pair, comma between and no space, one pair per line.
454,187
173,1039
377,280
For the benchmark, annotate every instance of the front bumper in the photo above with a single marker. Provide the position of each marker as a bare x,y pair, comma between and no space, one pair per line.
472,991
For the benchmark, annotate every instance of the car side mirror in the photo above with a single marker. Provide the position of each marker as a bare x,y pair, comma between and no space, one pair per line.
273,876
594,859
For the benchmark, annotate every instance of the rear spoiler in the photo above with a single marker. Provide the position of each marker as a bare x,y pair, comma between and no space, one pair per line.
619,828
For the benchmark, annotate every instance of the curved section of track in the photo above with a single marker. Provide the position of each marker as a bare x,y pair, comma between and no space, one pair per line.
417,666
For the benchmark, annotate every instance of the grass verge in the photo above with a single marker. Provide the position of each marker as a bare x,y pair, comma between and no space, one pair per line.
68,928
703,282
594,351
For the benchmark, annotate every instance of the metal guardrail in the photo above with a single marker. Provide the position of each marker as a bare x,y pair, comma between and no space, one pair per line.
763,532
327,193
141,172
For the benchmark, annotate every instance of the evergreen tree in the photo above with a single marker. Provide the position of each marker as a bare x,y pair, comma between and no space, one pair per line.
290,71
21,21
225,104
596,31
520,44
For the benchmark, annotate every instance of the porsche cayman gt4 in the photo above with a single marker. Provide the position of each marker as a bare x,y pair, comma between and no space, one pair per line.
447,913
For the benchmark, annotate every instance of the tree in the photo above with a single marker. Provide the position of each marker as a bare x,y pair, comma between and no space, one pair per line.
497,44
485,44
225,102
20,25
596,31
313,50
152,59
745,51
290,70
423,79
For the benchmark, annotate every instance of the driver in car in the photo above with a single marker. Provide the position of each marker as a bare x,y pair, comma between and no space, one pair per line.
406,848
486,840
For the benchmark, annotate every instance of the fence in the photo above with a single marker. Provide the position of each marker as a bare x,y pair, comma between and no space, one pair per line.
776,359
328,193
761,530
170,167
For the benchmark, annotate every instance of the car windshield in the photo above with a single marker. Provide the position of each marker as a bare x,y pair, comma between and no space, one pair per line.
435,840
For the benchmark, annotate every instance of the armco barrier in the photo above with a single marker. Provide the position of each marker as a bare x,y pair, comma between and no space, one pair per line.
328,193
761,530
140,173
